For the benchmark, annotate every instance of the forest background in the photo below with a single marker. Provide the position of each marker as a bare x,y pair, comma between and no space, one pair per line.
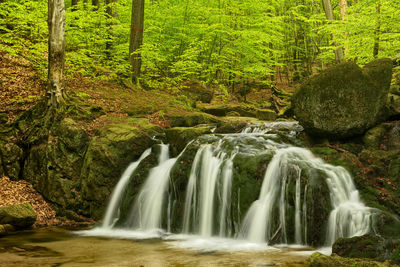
220,42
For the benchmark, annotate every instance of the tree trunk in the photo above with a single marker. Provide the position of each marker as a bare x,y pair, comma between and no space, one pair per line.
327,5
377,30
136,37
111,15
343,9
56,22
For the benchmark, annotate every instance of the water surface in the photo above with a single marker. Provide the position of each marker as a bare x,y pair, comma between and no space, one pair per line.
59,247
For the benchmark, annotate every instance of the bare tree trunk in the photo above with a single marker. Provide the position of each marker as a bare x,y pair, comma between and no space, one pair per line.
136,37
329,15
56,22
111,15
343,9
377,30
343,15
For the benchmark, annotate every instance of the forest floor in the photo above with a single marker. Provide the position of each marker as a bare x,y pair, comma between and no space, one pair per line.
20,192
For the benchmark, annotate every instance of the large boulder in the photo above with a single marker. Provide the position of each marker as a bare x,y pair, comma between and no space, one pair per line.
109,153
20,216
179,137
344,100
369,247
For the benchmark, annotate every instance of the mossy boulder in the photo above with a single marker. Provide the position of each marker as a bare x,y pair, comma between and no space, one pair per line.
6,229
190,119
10,157
369,247
266,115
179,137
320,260
108,154
20,215
344,100
221,110
54,167
196,91
394,105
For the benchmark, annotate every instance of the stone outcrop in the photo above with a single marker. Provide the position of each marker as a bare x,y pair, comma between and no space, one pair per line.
344,100
19,216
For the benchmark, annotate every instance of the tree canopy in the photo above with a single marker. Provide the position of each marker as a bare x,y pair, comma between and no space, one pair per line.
224,41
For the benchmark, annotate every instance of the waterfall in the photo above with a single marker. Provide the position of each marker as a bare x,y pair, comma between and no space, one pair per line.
151,199
349,217
113,206
210,201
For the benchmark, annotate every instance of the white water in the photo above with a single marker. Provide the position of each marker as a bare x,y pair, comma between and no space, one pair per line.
112,211
349,217
208,207
150,202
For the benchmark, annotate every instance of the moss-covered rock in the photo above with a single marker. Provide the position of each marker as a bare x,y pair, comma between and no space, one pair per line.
368,247
190,119
394,105
319,260
108,154
10,157
6,229
344,100
20,215
266,115
196,91
179,137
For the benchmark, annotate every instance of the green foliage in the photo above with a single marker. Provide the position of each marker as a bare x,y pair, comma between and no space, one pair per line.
225,42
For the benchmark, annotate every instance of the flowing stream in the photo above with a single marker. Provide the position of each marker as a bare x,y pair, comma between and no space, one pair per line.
213,202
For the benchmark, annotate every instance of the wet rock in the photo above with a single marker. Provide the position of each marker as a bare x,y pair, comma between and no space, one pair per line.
20,215
369,247
179,137
108,154
190,119
345,100
6,229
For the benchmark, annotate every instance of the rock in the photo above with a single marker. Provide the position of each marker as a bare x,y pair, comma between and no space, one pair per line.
223,109
109,153
190,119
20,216
319,260
11,155
196,91
6,229
266,115
394,104
345,100
368,247
373,137
179,137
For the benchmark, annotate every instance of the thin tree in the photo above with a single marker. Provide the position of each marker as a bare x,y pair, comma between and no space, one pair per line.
377,30
56,22
136,37
327,5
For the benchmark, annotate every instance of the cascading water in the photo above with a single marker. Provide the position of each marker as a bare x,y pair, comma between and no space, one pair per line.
111,215
217,195
349,216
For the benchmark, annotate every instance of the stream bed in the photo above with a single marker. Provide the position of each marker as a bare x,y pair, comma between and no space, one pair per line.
60,247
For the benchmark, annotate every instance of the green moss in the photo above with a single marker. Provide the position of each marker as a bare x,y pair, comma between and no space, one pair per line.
179,137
